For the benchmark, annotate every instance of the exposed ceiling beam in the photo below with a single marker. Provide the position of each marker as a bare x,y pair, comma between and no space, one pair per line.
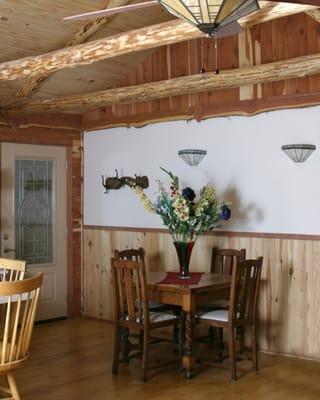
272,72
270,10
136,40
97,50
315,14
81,36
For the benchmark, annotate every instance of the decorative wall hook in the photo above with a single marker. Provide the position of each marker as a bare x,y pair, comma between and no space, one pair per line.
115,183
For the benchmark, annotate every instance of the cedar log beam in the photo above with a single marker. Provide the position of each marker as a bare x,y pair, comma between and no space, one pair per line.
224,109
315,14
270,10
113,46
272,72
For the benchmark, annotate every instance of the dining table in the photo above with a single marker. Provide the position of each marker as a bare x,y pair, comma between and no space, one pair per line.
210,287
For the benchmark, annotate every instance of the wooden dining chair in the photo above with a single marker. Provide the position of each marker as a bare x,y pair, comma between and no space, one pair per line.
20,299
12,270
139,255
242,309
131,308
223,262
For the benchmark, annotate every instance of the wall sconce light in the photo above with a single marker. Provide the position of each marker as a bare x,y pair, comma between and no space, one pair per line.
298,152
192,157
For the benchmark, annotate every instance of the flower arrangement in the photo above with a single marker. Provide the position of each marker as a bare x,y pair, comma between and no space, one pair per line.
185,217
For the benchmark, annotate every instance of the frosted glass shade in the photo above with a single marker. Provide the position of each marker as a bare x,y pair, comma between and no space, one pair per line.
209,15
298,152
192,157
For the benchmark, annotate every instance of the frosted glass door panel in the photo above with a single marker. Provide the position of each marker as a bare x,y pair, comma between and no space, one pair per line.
33,204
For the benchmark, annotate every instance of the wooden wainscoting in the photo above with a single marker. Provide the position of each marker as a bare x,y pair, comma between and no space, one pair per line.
290,296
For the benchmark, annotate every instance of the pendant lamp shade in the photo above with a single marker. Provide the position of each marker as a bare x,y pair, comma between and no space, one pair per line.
210,15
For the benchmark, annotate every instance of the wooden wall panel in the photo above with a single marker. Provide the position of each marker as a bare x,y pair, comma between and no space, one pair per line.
280,39
289,302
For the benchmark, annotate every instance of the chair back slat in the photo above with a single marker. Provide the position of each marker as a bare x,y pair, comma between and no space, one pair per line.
224,260
19,300
119,278
244,290
139,296
15,329
129,294
6,332
12,270
129,283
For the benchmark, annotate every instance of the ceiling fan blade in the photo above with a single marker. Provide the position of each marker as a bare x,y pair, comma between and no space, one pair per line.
315,3
111,11
228,30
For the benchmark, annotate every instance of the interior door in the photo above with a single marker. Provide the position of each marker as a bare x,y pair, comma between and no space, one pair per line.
34,218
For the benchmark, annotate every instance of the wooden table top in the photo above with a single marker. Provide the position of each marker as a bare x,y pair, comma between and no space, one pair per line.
208,281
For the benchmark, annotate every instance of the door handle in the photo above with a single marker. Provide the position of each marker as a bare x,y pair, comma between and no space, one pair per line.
6,250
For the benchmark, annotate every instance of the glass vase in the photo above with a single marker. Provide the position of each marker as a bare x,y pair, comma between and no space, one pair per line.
184,250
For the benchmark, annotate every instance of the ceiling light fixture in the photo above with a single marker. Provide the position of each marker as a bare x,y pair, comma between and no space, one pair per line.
210,15
298,152
192,157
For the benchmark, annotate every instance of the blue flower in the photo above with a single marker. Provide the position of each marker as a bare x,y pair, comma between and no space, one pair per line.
225,212
188,194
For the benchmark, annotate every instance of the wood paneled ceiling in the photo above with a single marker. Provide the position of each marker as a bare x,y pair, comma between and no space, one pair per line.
29,27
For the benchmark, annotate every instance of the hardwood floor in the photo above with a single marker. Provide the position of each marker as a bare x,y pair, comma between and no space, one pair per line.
72,360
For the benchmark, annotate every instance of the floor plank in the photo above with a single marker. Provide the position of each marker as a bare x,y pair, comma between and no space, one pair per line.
72,360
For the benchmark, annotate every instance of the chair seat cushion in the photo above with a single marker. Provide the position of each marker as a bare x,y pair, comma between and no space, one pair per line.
154,306
161,317
217,315
215,305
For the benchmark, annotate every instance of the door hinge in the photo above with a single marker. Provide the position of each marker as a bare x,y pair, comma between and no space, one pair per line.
67,231
67,164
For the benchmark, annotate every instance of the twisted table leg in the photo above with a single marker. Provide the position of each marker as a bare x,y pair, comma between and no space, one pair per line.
187,357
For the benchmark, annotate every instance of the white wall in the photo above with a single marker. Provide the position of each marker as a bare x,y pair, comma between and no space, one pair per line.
269,192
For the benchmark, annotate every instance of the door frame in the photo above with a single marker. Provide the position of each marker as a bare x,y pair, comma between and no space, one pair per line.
68,146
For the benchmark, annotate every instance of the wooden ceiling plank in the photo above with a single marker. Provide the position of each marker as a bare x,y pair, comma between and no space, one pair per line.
81,36
271,72
271,10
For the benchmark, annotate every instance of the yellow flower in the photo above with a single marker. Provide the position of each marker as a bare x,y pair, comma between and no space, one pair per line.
181,208
147,204
208,193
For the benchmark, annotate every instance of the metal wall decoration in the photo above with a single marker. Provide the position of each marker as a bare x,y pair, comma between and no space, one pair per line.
115,183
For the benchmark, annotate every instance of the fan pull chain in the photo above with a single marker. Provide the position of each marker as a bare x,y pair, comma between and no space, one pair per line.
216,53
202,70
